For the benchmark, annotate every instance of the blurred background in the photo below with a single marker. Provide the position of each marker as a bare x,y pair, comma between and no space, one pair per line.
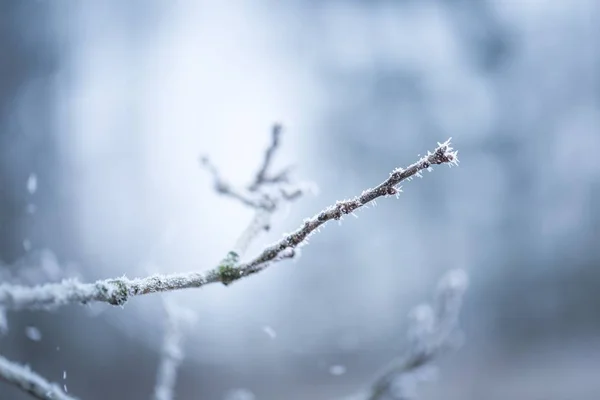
106,107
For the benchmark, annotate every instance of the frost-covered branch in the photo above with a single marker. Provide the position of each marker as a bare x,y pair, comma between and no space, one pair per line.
433,329
35,267
442,154
171,353
118,291
30,382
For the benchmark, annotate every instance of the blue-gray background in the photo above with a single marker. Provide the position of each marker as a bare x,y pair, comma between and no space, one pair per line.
109,104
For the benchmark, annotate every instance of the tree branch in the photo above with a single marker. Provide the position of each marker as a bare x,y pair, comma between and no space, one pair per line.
171,353
431,332
256,194
30,382
261,176
118,291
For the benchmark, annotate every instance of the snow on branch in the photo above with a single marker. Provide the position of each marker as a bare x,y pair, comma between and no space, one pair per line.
433,329
171,353
30,382
117,291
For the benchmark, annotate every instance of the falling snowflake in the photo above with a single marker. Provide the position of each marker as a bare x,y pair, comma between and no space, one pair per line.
33,333
32,183
270,331
337,370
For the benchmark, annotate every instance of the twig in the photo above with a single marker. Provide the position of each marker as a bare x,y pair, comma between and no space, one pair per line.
442,154
30,382
224,188
261,222
261,176
171,354
431,332
118,291
256,195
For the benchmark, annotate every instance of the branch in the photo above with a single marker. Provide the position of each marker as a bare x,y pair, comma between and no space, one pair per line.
118,291
171,354
432,331
255,195
442,154
224,188
261,222
30,382
261,176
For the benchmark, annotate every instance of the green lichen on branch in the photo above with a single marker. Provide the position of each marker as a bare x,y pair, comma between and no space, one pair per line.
113,291
229,274
228,271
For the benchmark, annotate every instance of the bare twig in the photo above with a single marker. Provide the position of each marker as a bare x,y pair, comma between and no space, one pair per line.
431,332
257,195
260,223
171,354
261,178
30,382
224,188
118,291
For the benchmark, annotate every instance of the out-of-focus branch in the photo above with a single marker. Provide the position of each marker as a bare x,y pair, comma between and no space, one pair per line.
262,178
171,353
35,267
432,331
226,189
261,222
118,291
257,195
30,382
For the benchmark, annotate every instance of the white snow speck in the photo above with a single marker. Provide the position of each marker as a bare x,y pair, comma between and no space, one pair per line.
26,244
270,331
3,322
240,394
65,374
337,370
33,333
32,183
